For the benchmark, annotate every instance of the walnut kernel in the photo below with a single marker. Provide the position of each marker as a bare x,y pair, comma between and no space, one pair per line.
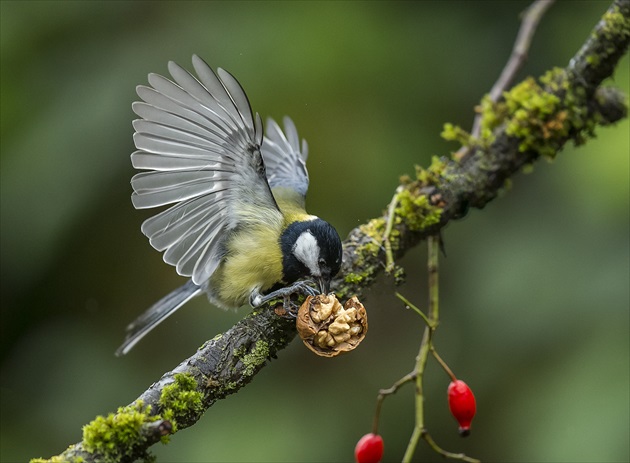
328,328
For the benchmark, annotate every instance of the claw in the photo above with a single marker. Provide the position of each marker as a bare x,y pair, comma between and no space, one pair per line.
256,299
307,289
290,307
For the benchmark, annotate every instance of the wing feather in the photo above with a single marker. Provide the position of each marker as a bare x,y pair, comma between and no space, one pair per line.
142,160
239,100
192,249
166,230
169,236
150,113
164,104
218,101
211,110
285,161
199,144
185,135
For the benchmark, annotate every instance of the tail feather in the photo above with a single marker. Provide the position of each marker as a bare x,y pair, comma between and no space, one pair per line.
157,313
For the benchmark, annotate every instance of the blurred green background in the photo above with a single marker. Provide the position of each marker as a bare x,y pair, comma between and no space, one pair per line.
535,303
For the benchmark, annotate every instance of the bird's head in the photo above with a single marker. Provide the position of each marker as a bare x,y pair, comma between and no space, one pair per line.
311,249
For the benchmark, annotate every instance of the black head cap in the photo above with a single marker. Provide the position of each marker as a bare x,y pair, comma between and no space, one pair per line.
311,249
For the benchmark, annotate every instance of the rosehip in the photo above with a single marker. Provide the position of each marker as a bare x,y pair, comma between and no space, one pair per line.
369,449
461,401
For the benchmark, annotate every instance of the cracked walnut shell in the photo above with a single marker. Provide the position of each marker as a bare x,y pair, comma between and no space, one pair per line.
328,328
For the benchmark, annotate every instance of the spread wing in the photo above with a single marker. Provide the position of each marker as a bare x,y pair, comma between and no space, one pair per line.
200,143
284,159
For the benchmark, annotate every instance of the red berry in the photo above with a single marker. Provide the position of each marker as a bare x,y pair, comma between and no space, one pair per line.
369,449
461,401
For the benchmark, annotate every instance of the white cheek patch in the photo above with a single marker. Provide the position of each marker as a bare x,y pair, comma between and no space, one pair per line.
306,250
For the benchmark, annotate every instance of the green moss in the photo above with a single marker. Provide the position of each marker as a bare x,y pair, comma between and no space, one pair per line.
452,132
223,390
353,278
374,229
256,358
529,113
555,80
370,249
541,114
615,24
118,434
536,117
240,351
577,118
434,174
399,275
181,401
58,459
413,209
366,258
416,211
491,117
593,60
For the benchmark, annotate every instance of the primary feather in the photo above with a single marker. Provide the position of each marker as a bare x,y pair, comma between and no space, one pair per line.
285,161
200,144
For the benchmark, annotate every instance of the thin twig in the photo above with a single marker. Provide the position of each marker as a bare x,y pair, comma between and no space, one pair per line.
413,443
443,364
531,18
417,375
409,305
391,214
454,456
389,391
425,347
433,243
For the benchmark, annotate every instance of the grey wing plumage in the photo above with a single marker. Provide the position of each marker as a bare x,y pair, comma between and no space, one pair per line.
284,158
200,143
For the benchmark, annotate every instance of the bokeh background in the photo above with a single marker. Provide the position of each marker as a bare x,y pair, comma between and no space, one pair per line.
535,303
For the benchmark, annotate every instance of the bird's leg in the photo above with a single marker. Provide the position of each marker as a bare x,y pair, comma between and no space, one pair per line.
256,298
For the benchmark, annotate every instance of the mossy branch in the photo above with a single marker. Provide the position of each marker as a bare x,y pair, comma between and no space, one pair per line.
536,118
180,397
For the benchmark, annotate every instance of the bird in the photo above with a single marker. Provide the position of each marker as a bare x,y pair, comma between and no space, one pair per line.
236,223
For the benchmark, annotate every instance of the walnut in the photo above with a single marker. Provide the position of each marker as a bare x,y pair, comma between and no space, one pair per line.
328,328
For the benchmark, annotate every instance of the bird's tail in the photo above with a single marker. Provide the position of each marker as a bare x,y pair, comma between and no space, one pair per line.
157,313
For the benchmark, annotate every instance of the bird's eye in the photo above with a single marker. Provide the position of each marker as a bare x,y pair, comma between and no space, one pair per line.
322,261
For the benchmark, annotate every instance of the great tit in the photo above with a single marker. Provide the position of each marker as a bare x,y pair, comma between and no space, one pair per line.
237,224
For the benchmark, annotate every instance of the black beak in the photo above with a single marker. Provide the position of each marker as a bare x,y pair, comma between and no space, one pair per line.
324,285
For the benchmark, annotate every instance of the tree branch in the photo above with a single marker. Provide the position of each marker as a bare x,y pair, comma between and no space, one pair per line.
448,189
510,139
531,18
